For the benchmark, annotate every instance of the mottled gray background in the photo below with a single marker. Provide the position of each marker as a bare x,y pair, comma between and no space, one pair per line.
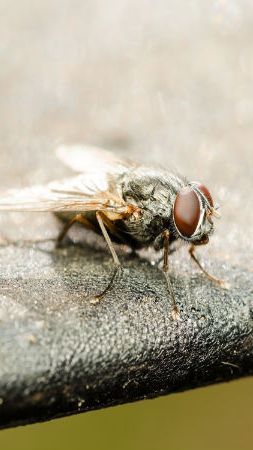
170,81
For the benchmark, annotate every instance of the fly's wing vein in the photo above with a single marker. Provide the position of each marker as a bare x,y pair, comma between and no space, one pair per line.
92,192
95,189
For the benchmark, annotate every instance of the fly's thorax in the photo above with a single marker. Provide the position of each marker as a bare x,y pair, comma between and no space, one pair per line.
154,193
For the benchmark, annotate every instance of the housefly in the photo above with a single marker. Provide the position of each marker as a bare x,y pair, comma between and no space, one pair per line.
126,203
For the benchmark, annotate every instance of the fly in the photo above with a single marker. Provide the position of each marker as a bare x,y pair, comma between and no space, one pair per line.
126,203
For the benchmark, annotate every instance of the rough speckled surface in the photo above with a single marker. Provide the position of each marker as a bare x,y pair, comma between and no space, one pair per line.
61,354
188,106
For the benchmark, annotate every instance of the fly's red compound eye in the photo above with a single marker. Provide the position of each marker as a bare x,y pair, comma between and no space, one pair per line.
206,193
186,211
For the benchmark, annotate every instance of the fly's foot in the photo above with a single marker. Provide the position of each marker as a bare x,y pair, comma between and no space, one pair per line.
223,284
95,299
175,314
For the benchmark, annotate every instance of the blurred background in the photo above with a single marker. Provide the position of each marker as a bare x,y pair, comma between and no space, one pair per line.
172,81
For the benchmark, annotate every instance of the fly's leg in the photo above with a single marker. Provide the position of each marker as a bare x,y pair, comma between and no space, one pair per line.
79,218
175,311
102,219
221,283
111,227
160,259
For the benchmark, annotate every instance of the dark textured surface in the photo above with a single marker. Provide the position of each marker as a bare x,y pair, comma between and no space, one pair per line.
141,90
59,354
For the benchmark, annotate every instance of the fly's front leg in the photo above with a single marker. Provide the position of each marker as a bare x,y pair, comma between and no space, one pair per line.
160,259
175,311
102,219
221,283
79,218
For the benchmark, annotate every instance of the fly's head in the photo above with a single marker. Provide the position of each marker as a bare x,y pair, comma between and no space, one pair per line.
193,213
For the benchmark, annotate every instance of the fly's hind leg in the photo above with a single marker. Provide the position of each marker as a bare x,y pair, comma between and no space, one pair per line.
221,283
79,218
102,221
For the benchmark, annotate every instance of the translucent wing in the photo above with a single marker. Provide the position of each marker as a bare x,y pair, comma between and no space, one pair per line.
97,188
70,195
84,158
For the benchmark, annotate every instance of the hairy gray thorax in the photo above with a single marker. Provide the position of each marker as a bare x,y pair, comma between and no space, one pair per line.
154,192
